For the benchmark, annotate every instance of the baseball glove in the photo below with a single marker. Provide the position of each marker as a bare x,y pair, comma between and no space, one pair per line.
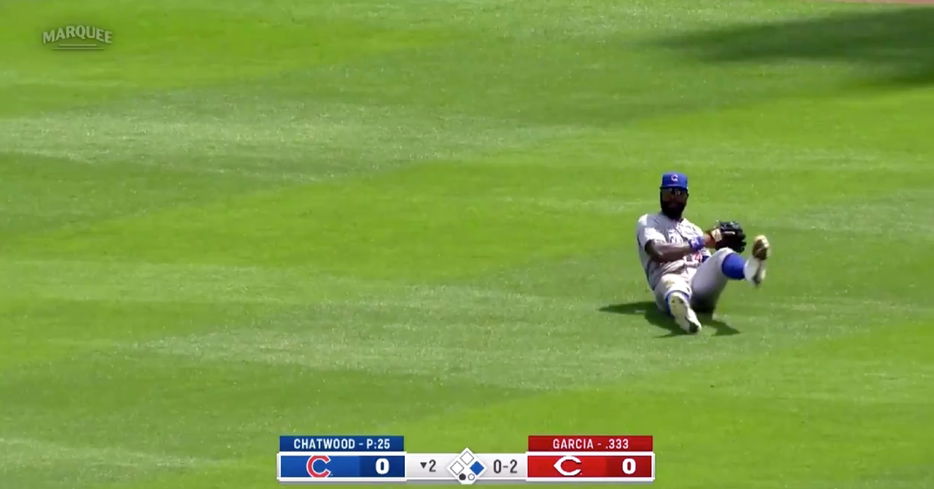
729,234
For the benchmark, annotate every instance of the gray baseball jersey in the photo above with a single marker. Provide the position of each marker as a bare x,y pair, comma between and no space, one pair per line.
660,227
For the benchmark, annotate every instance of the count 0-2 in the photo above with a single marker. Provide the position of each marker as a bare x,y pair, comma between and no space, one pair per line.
498,466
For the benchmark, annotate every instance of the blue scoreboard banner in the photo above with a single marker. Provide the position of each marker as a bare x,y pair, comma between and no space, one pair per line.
316,458
332,443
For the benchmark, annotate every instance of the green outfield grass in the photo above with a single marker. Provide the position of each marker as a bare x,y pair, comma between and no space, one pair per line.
246,219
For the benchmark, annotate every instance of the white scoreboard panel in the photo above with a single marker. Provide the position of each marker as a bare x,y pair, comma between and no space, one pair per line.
466,467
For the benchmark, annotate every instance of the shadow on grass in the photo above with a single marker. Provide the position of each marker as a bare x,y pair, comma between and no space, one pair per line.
651,313
894,44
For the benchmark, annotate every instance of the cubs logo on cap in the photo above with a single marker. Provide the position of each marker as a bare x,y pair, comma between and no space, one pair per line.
674,179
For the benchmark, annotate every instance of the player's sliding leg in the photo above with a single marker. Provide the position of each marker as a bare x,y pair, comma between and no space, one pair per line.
713,275
725,265
680,307
673,295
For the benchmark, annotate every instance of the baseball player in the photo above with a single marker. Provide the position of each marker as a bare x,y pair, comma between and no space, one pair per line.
682,272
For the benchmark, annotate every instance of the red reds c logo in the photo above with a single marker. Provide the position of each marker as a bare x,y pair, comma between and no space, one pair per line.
559,466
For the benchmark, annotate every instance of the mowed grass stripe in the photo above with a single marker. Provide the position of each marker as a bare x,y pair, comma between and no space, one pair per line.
285,141
481,346
63,193
365,227
38,454
281,313
483,337
164,161
459,206
104,465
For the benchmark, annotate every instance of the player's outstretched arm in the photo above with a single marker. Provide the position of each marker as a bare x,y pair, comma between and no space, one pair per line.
661,251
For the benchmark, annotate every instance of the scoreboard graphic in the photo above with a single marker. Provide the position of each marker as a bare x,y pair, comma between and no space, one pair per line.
317,459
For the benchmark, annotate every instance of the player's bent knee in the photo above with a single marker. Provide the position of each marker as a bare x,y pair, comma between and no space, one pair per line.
722,253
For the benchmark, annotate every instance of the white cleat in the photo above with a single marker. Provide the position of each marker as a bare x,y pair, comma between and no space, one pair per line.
754,270
683,314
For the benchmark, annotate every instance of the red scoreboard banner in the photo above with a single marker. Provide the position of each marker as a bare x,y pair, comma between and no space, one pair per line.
576,443
562,458
592,466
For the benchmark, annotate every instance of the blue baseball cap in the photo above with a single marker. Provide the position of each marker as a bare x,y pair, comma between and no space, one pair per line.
674,179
